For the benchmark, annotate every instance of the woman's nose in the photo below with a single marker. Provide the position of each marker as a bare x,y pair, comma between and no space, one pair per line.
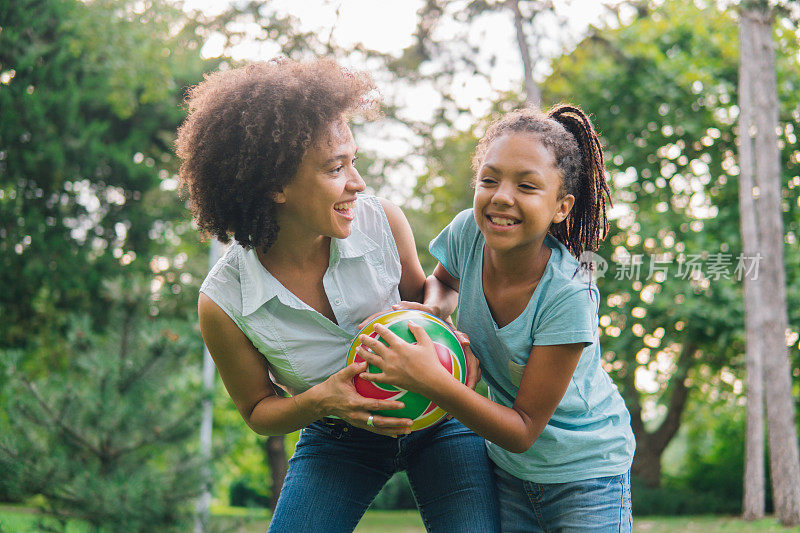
356,182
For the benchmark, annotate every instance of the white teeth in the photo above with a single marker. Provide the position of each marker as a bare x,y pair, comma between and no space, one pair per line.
344,206
502,221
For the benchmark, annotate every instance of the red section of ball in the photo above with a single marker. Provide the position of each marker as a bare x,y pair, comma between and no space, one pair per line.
444,356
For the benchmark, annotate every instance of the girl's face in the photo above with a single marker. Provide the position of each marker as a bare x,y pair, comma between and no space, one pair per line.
517,194
320,200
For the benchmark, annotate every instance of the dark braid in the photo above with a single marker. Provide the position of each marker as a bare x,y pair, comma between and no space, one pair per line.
568,133
587,224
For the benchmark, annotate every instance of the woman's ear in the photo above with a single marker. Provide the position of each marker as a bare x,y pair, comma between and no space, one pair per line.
279,197
564,207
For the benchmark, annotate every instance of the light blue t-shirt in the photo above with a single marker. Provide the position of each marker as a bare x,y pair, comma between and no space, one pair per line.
589,435
302,346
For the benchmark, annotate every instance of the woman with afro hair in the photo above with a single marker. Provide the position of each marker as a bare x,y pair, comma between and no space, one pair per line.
268,163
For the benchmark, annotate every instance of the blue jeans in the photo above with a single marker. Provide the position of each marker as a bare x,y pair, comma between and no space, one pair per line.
600,504
337,470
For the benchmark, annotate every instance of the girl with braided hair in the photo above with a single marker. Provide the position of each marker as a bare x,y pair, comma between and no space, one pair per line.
557,429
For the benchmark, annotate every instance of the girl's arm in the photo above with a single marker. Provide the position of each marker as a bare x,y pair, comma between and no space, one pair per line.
416,367
245,373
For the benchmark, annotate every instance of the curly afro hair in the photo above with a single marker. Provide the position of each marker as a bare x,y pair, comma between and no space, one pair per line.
247,131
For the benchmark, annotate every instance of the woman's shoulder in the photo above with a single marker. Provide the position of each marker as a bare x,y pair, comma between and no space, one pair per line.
370,215
223,283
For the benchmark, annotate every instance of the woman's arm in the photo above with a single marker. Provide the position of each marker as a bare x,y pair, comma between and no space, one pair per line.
412,278
245,373
416,367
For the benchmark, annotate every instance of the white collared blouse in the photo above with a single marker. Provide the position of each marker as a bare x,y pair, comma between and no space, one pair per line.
302,346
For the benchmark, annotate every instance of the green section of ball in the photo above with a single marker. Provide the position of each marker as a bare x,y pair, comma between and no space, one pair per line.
415,405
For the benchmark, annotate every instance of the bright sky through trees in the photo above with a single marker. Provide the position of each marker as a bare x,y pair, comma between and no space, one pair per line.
388,27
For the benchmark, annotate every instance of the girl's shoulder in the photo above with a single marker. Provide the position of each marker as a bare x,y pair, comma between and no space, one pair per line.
464,225
567,280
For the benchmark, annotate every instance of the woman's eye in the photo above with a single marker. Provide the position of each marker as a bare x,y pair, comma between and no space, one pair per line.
338,169
527,187
486,180
353,162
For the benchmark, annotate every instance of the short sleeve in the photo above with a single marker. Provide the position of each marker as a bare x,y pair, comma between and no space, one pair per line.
448,246
571,317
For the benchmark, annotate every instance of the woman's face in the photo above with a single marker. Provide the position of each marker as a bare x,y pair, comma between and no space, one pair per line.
320,200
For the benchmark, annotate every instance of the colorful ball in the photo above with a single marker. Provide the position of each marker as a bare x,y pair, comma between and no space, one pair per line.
422,411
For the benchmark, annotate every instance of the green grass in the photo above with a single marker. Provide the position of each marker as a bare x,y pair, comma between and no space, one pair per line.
706,524
17,519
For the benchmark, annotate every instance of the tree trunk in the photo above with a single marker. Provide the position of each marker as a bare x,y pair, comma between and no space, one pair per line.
647,463
533,96
754,475
784,457
650,446
276,458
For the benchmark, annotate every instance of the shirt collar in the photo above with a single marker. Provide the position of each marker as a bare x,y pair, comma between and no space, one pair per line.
259,286
357,244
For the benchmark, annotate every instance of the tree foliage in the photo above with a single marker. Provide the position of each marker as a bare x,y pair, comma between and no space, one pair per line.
107,436
90,96
663,91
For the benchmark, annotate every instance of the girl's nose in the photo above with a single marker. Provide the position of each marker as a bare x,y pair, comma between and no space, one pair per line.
504,194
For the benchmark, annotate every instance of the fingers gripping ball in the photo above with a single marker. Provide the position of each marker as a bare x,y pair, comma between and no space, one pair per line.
422,411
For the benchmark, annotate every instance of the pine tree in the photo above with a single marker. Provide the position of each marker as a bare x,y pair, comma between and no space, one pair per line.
110,436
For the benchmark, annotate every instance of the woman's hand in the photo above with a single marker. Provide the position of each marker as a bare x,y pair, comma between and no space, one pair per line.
473,365
413,367
404,305
431,310
340,399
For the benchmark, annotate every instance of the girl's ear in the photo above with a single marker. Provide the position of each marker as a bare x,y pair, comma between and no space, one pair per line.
564,207
279,197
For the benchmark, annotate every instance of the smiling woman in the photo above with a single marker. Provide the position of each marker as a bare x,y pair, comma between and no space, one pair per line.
268,161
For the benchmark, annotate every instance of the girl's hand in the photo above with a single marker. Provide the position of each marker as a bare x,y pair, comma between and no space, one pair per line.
340,399
413,367
473,366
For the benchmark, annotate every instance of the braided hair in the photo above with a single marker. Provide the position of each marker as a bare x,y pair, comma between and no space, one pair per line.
568,133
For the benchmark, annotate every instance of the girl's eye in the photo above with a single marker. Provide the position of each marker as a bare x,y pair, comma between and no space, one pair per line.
527,187
487,180
353,162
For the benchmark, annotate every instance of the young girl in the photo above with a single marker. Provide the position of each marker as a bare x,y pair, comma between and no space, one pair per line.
557,428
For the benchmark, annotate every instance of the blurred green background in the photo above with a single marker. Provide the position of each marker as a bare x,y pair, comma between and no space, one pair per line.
100,353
